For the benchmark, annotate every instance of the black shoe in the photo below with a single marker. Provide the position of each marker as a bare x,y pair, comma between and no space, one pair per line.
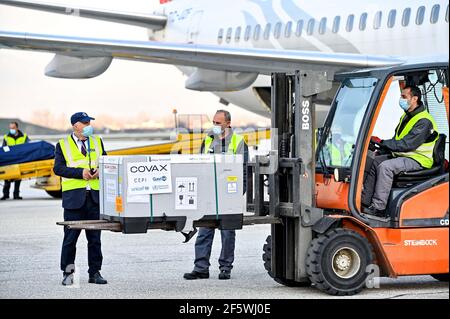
67,279
224,275
17,197
97,279
196,275
4,198
371,210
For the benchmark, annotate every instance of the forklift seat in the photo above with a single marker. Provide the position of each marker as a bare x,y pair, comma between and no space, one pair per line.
405,179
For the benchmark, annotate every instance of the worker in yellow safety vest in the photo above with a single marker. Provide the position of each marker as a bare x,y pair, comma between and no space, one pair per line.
76,161
411,149
14,137
340,151
223,140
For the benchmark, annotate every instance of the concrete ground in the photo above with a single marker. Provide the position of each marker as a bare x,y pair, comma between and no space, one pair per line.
149,265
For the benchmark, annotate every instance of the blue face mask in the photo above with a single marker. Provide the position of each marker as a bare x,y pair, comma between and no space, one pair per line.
403,104
88,131
12,132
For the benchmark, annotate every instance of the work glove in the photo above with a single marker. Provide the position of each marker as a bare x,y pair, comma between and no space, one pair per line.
376,140
375,144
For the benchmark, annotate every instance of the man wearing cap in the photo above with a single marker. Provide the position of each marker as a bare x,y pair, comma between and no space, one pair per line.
76,161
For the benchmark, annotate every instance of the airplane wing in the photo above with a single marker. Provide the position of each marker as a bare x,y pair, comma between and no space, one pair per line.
261,61
154,22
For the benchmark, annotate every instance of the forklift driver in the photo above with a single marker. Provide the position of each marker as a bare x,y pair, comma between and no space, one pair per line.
410,149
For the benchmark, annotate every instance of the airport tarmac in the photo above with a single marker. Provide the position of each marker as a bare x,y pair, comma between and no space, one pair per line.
148,265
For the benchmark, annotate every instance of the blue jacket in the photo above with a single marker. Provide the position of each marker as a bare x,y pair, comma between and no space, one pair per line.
73,199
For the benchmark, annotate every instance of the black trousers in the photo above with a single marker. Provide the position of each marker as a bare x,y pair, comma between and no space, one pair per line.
7,186
89,211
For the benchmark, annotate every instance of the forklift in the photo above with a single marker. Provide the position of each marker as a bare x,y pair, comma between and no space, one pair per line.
323,237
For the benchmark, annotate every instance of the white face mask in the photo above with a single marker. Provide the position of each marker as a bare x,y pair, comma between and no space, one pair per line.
217,129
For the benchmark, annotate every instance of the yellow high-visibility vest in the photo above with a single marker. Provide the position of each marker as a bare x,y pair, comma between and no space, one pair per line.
424,153
338,156
10,141
232,147
74,158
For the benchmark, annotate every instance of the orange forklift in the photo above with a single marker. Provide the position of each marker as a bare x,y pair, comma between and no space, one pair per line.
312,182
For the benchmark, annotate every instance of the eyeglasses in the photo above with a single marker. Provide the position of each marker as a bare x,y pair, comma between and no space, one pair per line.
216,123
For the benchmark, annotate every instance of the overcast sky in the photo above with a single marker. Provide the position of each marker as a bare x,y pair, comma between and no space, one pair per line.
127,90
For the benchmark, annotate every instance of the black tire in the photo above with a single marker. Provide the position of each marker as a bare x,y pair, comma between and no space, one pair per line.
346,279
441,277
55,194
267,258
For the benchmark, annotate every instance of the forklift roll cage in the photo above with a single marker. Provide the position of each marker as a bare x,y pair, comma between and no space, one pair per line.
383,76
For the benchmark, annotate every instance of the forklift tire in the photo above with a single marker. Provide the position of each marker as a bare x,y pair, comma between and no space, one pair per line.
337,260
267,258
441,277
55,194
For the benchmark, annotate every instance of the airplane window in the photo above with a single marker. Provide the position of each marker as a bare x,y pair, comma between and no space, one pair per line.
363,22
267,31
350,20
288,30
336,24
277,31
229,32
299,30
420,15
406,17
391,18
377,21
257,32
323,26
220,36
237,35
311,24
248,32
435,13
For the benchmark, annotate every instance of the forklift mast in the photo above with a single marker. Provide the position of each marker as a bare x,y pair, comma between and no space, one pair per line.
290,171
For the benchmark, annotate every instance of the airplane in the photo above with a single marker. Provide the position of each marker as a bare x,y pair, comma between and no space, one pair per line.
230,47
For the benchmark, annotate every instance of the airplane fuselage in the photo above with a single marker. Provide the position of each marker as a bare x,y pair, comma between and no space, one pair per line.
403,28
